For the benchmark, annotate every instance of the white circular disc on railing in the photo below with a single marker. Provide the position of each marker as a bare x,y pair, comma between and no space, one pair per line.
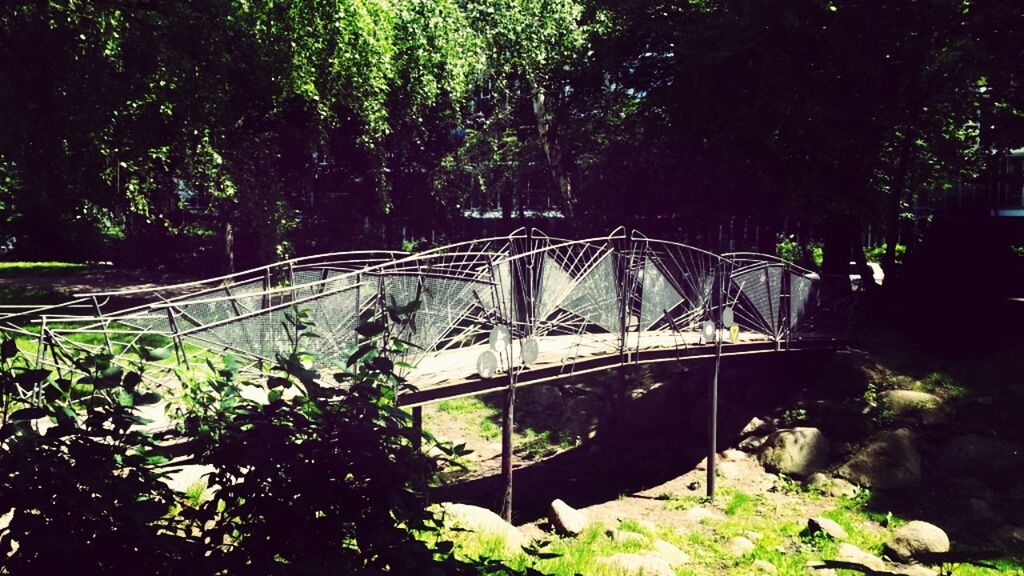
499,338
530,351
708,330
728,317
487,364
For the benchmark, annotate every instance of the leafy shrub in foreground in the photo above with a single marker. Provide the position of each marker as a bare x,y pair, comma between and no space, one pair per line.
309,478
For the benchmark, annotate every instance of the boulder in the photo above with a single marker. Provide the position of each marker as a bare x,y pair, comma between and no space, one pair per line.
836,487
739,546
635,564
671,552
971,454
826,526
795,451
566,519
916,538
890,462
764,567
911,403
482,521
850,553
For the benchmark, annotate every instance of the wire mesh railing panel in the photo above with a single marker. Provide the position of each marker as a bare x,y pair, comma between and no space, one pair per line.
549,301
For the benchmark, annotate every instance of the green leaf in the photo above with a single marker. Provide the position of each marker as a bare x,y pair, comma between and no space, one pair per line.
370,329
28,414
278,382
9,349
154,354
131,380
383,363
147,398
358,354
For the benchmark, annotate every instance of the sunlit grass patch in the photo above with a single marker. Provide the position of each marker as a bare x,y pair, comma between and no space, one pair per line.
40,268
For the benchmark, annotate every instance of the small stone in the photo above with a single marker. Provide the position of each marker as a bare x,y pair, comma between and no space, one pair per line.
915,570
751,443
817,567
645,564
734,455
850,553
566,519
728,469
739,546
917,538
625,536
753,536
797,452
836,487
764,566
670,552
757,426
700,514
826,526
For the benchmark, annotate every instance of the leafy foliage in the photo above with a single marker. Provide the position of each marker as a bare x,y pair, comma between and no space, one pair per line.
309,477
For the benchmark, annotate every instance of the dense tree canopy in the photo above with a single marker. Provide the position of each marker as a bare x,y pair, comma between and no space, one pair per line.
154,131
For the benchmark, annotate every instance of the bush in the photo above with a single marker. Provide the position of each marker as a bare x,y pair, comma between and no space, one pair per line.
309,478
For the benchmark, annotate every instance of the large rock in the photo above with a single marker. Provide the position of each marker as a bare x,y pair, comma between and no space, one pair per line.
739,546
482,521
566,519
972,454
795,451
636,564
915,538
890,462
850,553
826,526
671,552
902,403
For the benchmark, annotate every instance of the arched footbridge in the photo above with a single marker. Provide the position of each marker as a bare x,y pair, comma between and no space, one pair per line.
521,309
491,314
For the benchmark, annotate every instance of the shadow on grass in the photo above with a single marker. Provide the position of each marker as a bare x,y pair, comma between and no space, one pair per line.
656,437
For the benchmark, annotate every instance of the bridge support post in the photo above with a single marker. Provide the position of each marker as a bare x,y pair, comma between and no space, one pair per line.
713,394
507,415
417,428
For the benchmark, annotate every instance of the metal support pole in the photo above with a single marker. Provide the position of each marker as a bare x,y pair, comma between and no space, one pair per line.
713,396
507,419
417,428
106,325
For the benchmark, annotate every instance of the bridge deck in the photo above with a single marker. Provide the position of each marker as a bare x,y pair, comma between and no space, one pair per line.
452,373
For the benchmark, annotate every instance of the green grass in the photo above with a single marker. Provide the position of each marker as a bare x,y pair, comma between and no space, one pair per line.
40,268
473,409
29,295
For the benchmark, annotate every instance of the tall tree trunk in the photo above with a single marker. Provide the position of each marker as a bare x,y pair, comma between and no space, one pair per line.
552,150
229,247
899,182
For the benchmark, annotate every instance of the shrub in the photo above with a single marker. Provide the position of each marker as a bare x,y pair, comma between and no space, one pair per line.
309,477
